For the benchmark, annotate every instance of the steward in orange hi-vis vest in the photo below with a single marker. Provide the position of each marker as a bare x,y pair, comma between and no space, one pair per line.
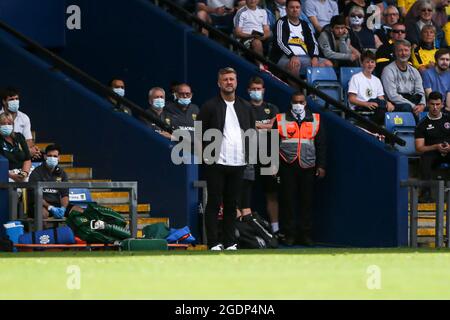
297,141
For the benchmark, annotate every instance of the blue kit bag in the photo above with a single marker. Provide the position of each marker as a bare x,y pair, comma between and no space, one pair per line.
182,236
61,235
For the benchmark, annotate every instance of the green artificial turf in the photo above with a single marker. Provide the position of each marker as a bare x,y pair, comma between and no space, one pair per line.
245,274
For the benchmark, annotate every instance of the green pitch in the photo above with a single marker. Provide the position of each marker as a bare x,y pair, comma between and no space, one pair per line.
246,274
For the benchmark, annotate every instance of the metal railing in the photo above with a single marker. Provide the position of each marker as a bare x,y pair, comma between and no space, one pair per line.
38,187
83,77
442,189
199,24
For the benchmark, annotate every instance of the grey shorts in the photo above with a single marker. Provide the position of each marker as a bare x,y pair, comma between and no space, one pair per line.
305,61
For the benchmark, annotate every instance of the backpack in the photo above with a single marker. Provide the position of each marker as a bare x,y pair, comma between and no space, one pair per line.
253,232
97,224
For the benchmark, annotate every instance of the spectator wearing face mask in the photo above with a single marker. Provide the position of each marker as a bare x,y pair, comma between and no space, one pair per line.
14,148
157,102
55,201
182,113
118,86
362,38
10,105
302,158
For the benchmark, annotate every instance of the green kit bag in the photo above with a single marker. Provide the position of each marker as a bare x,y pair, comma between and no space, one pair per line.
143,244
97,224
156,231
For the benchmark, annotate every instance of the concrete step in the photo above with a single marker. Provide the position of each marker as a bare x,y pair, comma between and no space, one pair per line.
79,173
103,198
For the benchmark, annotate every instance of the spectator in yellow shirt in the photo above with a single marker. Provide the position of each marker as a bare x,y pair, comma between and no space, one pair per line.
423,56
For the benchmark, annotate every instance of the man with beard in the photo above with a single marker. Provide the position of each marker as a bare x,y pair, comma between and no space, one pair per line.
402,82
438,78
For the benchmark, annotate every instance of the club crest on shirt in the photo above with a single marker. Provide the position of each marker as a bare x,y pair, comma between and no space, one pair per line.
447,125
168,121
194,116
58,179
267,110
369,92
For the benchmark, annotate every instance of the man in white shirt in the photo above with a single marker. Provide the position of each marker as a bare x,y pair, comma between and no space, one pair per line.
320,12
251,26
232,116
22,124
365,91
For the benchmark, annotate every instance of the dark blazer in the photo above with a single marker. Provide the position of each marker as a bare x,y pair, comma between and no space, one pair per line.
213,112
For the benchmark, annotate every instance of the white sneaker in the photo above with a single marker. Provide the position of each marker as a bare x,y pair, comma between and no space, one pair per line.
218,247
233,247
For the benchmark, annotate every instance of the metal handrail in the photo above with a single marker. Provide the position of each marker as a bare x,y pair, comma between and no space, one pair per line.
92,83
38,187
194,21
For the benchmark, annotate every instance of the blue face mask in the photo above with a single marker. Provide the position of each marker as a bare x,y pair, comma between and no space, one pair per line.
256,95
159,103
51,162
184,101
119,91
13,105
6,130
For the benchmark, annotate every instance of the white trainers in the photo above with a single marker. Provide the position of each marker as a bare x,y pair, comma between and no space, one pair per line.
218,247
233,247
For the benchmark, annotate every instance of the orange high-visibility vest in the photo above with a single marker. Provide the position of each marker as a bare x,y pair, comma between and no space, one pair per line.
298,142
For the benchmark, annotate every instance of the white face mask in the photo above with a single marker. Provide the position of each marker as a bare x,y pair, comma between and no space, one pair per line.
298,108
356,21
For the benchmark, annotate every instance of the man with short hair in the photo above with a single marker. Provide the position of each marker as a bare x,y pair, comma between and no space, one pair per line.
216,12
294,45
251,26
182,113
302,158
433,140
231,115
385,53
402,82
365,91
334,41
391,17
55,201
157,102
320,12
118,86
11,103
438,78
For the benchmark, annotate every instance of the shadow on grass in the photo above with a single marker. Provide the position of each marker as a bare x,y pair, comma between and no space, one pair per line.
280,251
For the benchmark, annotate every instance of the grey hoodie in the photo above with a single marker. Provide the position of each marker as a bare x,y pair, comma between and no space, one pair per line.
327,45
396,81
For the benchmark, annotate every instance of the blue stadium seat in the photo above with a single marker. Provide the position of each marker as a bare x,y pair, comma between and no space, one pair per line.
422,115
80,197
403,125
324,79
346,74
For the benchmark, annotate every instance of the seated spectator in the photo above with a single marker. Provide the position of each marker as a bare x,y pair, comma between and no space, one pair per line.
402,82
439,18
55,201
404,6
334,42
294,45
391,17
278,8
346,5
423,55
11,103
173,90
157,102
251,26
182,113
14,148
424,17
320,12
118,86
438,78
365,92
362,38
217,12
432,140
385,53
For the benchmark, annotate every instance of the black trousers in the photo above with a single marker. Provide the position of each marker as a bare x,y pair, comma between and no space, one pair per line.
224,183
296,188
430,161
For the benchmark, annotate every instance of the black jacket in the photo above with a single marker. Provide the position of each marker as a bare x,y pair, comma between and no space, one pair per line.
212,115
281,37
